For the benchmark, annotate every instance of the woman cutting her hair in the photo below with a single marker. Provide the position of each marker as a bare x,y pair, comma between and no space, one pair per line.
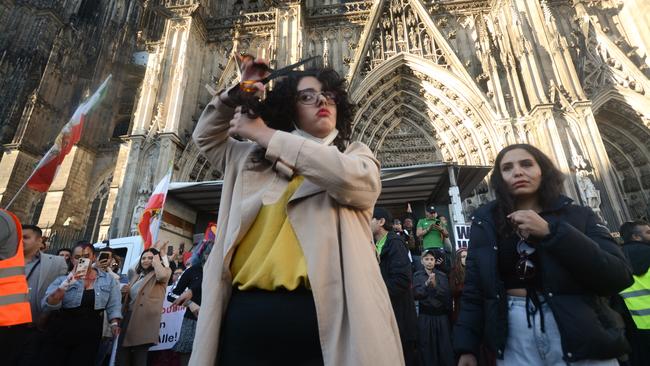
538,270
297,281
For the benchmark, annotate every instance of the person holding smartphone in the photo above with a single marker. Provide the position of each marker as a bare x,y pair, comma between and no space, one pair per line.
145,297
104,262
74,334
431,230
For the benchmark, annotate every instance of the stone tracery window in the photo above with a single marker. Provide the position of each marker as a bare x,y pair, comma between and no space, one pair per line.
152,22
88,9
37,208
122,127
96,211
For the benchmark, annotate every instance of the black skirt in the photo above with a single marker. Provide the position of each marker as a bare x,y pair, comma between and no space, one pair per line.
434,336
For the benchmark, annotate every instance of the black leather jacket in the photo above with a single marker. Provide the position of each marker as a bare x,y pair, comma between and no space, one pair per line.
581,264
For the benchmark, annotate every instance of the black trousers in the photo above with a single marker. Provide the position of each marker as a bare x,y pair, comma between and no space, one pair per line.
72,338
264,328
640,344
20,344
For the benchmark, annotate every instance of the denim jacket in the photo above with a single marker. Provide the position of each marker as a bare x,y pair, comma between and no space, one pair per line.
107,295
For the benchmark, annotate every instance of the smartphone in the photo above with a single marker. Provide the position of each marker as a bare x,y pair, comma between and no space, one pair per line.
181,249
103,256
170,250
124,278
82,267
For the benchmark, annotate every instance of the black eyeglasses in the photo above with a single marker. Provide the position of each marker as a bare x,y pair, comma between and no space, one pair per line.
310,97
525,267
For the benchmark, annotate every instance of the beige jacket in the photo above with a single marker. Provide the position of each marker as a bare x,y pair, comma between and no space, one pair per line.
330,214
144,323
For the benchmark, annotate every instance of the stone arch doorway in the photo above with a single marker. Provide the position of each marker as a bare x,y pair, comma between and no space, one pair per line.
627,142
194,166
413,111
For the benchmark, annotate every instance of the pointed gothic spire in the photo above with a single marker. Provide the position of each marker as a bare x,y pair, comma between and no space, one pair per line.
402,26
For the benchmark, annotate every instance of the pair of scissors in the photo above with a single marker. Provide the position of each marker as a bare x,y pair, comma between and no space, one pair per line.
248,85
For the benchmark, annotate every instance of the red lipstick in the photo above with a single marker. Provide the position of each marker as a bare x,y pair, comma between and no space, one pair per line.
323,112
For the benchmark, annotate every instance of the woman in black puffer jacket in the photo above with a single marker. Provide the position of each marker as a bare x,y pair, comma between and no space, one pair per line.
538,273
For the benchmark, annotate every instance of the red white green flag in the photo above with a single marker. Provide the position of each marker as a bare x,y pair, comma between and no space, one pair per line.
46,170
152,215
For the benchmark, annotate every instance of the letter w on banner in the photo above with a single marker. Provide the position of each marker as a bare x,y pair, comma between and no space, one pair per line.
46,170
152,215
461,232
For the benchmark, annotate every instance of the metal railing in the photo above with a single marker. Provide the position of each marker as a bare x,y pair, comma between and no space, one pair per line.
64,238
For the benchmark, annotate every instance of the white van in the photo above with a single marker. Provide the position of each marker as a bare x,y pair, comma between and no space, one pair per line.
129,248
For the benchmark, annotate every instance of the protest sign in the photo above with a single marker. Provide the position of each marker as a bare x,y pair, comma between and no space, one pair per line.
461,235
170,325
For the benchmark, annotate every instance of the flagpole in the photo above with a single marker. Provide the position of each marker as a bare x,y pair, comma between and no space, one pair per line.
88,104
170,171
19,191
162,209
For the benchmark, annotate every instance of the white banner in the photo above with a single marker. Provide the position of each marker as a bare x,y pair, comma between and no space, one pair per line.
170,324
461,235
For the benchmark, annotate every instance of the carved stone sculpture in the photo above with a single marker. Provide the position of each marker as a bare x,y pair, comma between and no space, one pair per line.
427,44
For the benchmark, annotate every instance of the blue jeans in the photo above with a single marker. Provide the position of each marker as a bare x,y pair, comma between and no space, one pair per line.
531,346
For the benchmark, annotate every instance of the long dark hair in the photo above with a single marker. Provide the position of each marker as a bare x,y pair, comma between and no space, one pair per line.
279,110
457,275
549,190
139,269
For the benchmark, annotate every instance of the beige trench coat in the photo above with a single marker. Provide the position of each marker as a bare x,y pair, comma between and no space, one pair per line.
330,214
144,323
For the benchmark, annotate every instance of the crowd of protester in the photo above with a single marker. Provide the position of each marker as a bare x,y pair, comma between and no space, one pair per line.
80,304
542,281
78,314
414,267
533,286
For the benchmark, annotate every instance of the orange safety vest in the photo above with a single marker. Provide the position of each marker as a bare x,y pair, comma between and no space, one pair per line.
14,292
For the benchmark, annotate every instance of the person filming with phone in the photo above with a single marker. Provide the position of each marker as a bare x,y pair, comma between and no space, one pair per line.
82,297
104,261
431,230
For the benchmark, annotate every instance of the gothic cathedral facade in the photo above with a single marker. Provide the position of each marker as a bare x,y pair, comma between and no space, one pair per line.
434,80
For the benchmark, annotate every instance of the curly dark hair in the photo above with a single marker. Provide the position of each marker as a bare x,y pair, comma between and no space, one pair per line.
549,190
279,110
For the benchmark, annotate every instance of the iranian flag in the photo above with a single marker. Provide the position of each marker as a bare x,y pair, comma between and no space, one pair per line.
152,215
46,170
